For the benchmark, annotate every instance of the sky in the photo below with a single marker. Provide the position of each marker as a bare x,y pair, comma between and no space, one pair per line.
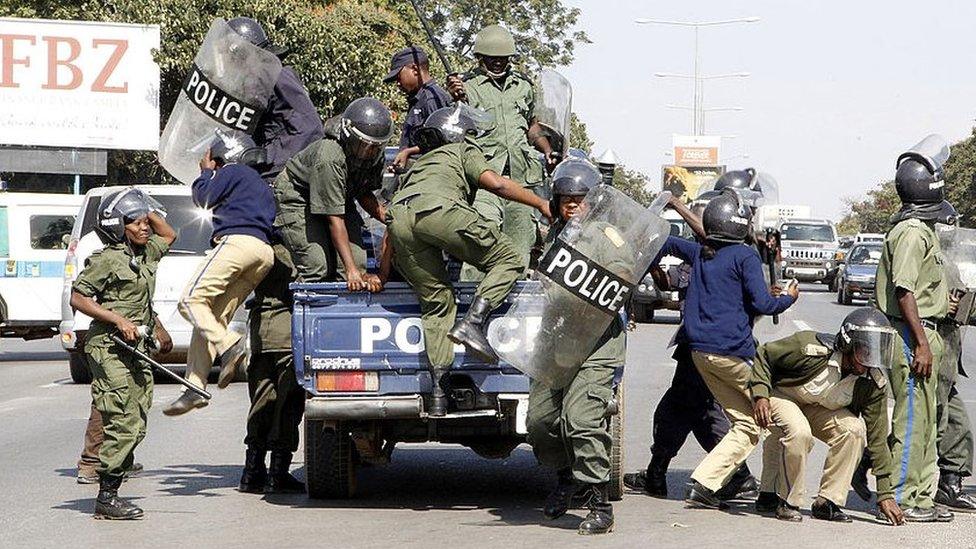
837,89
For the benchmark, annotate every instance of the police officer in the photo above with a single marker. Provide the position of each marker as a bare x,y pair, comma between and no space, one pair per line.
913,293
290,122
688,407
116,290
277,401
316,196
569,427
410,69
431,214
954,435
495,87
812,385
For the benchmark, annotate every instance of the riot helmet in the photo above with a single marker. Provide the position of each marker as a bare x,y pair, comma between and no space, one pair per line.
745,182
494,41
726,218
697,205
366,128
572,177
117,210
867,335
231,148
253,32
446,125
919,178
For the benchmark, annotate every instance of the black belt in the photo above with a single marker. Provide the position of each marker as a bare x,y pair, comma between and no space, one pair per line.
929,323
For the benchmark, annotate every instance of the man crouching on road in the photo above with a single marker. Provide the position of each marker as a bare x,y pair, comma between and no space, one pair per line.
812,385
569,428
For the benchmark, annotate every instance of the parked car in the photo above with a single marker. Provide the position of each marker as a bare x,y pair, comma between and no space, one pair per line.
193,228
856,277
33,245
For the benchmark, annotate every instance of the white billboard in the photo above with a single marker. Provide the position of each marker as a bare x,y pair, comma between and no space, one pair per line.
78,84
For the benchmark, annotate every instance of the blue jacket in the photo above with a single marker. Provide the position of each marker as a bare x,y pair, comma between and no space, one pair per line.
241,201
428,99
725,295
290,124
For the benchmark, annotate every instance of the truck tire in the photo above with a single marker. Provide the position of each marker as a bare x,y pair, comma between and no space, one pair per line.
643,313
330,470
78,365
616,490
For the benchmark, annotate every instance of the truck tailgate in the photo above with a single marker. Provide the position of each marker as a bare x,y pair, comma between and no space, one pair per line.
337,330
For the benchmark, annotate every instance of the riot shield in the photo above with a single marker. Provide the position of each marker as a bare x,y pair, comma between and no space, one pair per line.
581,285
554,108
227,89
959,262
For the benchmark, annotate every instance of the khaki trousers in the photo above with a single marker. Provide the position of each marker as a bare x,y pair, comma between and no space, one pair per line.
224,279
727,377
791,438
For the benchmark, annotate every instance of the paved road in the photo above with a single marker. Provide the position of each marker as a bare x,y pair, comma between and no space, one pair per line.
443,493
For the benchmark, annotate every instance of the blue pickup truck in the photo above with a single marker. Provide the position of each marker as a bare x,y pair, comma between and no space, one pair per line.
361,359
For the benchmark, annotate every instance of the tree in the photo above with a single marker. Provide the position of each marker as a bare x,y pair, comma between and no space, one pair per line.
872,213
579,138
634,184
959,172
543,29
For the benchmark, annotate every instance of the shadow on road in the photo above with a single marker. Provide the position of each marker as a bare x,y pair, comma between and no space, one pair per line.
512,489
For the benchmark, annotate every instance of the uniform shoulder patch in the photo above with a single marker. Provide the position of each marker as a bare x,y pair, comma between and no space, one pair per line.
814,349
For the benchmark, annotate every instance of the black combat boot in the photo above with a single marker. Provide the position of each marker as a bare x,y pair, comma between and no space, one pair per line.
561,498
600,518
653,481
951,495
742,485
470,330
108,504
255,474
438,397
280,480
656,483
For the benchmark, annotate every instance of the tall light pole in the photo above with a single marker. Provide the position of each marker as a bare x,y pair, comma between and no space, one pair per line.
698,114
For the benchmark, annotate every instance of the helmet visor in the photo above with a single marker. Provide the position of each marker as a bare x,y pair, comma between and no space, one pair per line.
364,147
873,346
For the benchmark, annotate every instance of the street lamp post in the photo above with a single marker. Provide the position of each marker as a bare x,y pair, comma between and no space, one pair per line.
698,112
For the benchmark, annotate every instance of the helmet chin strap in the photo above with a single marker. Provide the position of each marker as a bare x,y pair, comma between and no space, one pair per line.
496,75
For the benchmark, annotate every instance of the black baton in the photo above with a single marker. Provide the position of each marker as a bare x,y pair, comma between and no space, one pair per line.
433,39
159,367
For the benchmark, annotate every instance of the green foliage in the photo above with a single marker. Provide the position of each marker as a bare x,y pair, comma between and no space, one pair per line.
578,136
871,213
959,172
341,48
634,184
543,29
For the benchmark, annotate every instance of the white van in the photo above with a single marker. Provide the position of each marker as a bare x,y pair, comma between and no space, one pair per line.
33,245
193,228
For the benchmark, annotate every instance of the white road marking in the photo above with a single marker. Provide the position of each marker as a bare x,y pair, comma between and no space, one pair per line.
802,326
58,383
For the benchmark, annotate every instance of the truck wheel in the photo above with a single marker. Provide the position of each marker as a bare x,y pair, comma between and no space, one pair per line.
617,448
330,472
78,365
643,313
